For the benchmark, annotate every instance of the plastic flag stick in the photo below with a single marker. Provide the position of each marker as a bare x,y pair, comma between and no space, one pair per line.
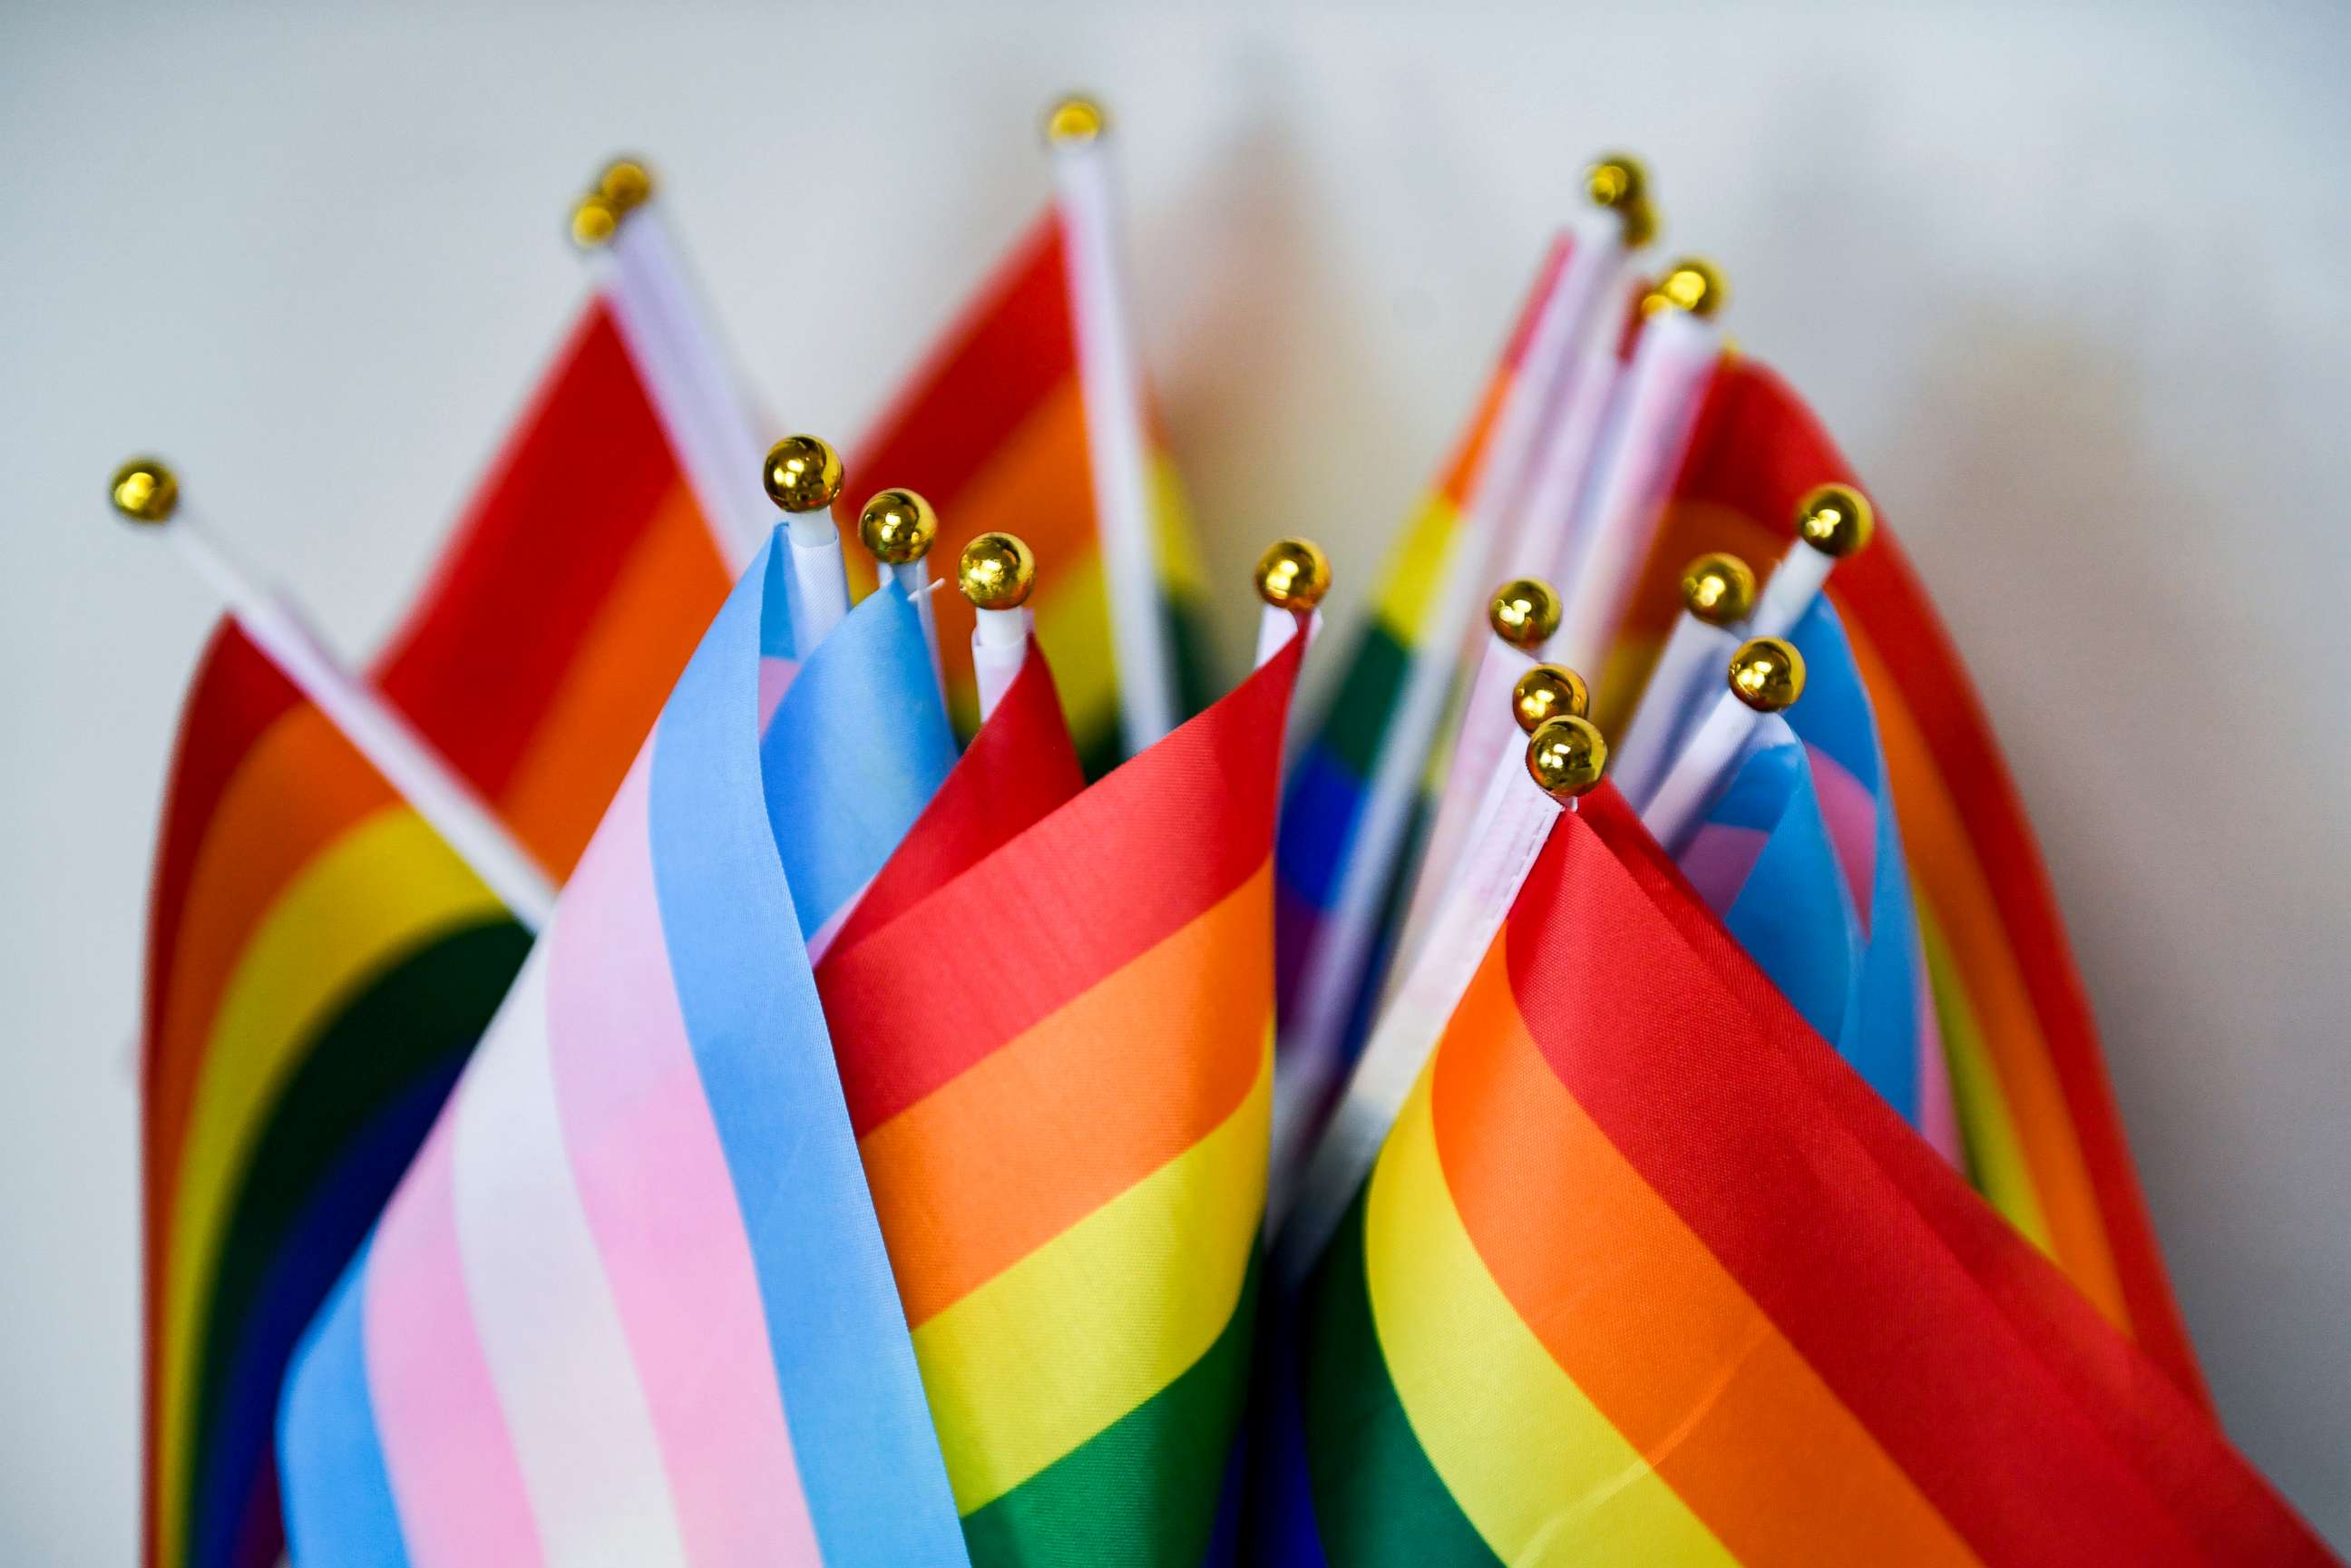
803,476
1766,676
1718,594
997,573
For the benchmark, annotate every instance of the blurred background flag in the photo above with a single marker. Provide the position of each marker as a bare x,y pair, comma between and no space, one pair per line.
1067,1142
1032,415
2043,1137
629,1304
320,961
1642,1274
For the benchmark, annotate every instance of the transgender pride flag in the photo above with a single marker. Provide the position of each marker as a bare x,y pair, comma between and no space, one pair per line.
631,1304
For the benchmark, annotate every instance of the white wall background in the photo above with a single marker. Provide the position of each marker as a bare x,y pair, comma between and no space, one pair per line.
2067,286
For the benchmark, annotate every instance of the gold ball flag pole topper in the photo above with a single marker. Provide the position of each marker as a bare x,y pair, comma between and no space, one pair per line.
1292,576
997,573
1693,285
1566,756
145,491
1832,523
1767,673
1074,120
1525,612
1719,588
803,476
898,527
1618,182
623,185
1548,692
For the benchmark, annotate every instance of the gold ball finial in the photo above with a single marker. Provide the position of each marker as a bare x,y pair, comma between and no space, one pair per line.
1525,611
1835,519
997,572
1075,118
594,222
898,526
1566,756
803,473
625,185
1618,182
1293,574
1691,284
146,491
1548,692
1767,673
1719,588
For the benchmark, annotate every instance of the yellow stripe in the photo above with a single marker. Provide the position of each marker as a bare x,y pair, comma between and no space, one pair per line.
1090,1325
1408,586
383,888
1182,572
1532,1461
1996,1159
1073,628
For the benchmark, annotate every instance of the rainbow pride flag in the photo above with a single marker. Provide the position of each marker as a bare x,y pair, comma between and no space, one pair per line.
1645,1274
991,429
629,1304
319,963
1357,787
1067,1142
2043,1140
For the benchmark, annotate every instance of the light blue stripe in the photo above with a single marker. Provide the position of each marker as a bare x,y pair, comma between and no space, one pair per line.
857,748
877,1488
336,1493
1792,914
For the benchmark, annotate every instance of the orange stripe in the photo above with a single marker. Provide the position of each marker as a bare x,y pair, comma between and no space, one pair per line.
613,686
1648,1323
1943,862
1076,1108
299,790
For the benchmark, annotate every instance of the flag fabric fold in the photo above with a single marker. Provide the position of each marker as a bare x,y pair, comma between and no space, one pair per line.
320,962
1644,1273
630,1303
991,429
2043,1137
1066,1140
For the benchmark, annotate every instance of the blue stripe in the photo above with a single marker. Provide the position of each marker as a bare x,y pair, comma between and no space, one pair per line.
857,748
340,1511
877,1487
1318,822
1792,914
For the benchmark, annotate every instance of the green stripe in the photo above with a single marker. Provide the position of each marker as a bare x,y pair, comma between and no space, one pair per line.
1357,720
417,1017
1378,1502
1191,645
1144,1490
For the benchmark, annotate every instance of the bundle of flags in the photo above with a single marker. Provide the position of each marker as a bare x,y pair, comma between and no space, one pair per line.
841,1068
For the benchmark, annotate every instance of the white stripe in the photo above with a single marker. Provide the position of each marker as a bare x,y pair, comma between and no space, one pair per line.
549,1330
1110,385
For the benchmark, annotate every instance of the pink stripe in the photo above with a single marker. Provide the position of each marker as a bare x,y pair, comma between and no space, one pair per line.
1718,861
1851,812
654,1182
445,1445
775,680
1939,1118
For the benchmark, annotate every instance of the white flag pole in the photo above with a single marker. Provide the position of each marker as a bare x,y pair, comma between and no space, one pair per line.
1833,521
1109,384
146,492
1292,576
1655,410
803,477
997,573
1766,675
1565,755
1718,595
692,383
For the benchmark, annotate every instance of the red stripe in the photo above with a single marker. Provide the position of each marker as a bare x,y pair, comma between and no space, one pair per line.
2036,1427
1759,450
480,660
237,693
1019,769
1010,348
1079,896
